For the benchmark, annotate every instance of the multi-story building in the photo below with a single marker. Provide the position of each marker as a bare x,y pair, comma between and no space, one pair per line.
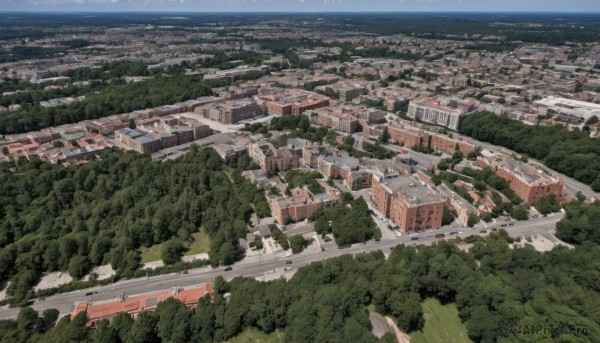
335,119
443,143
138,140
348,93
290,101
440,111
311,154
229,152
407,137
408,203
340,168
231,112
528,183
301,204
269,158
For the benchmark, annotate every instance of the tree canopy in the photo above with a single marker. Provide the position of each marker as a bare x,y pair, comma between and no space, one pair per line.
71,219
495,288
572,153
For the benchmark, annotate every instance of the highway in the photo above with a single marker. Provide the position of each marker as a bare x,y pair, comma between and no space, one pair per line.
258,265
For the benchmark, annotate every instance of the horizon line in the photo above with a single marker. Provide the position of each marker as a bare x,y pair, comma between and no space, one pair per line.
299,12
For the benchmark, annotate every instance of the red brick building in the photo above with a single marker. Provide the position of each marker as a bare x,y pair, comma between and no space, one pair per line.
301,204
134,305
408,203
406,137
527,182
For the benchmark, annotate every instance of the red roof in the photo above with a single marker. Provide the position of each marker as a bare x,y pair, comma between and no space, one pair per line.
137,304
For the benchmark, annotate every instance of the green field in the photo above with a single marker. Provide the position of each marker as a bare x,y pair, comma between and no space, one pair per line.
255,336
150,254
200,245
442,324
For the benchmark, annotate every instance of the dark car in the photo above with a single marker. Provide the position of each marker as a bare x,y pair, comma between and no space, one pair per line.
288,262
511,224
503,225
483,231
414,238
88,294
228,269
494,229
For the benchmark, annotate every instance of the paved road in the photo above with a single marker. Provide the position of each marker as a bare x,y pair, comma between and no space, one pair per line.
257,266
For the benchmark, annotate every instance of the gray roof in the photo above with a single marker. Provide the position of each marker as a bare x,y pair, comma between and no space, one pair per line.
415,191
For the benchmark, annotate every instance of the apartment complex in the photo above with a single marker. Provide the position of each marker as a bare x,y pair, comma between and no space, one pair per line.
347,91
334,118
338,167
290,101
408,203
528,183
311,154
269,158
440,111
407,136
138,140
301,204
154,134
231,112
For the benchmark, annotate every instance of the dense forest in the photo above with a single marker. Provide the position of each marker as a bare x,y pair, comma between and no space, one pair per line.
498,292
572,153
114,99
72,219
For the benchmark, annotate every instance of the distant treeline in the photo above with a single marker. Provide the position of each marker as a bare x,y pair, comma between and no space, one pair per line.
115,99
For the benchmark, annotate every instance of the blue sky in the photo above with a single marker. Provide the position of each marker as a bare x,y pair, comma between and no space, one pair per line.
303,5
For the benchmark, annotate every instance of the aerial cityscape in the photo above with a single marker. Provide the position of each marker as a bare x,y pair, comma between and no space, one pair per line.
299,171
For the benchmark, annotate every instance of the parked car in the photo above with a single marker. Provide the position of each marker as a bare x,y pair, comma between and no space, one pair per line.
494,229
440,235
287,269
483,231
415,238
288,262
87,294
228,269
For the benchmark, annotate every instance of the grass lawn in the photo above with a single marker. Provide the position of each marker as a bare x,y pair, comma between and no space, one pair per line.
200,245
150,254
442,324
255,336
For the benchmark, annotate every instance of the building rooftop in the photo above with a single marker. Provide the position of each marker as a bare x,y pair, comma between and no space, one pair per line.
413,190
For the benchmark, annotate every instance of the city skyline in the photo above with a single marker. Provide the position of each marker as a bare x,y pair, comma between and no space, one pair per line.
300,6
